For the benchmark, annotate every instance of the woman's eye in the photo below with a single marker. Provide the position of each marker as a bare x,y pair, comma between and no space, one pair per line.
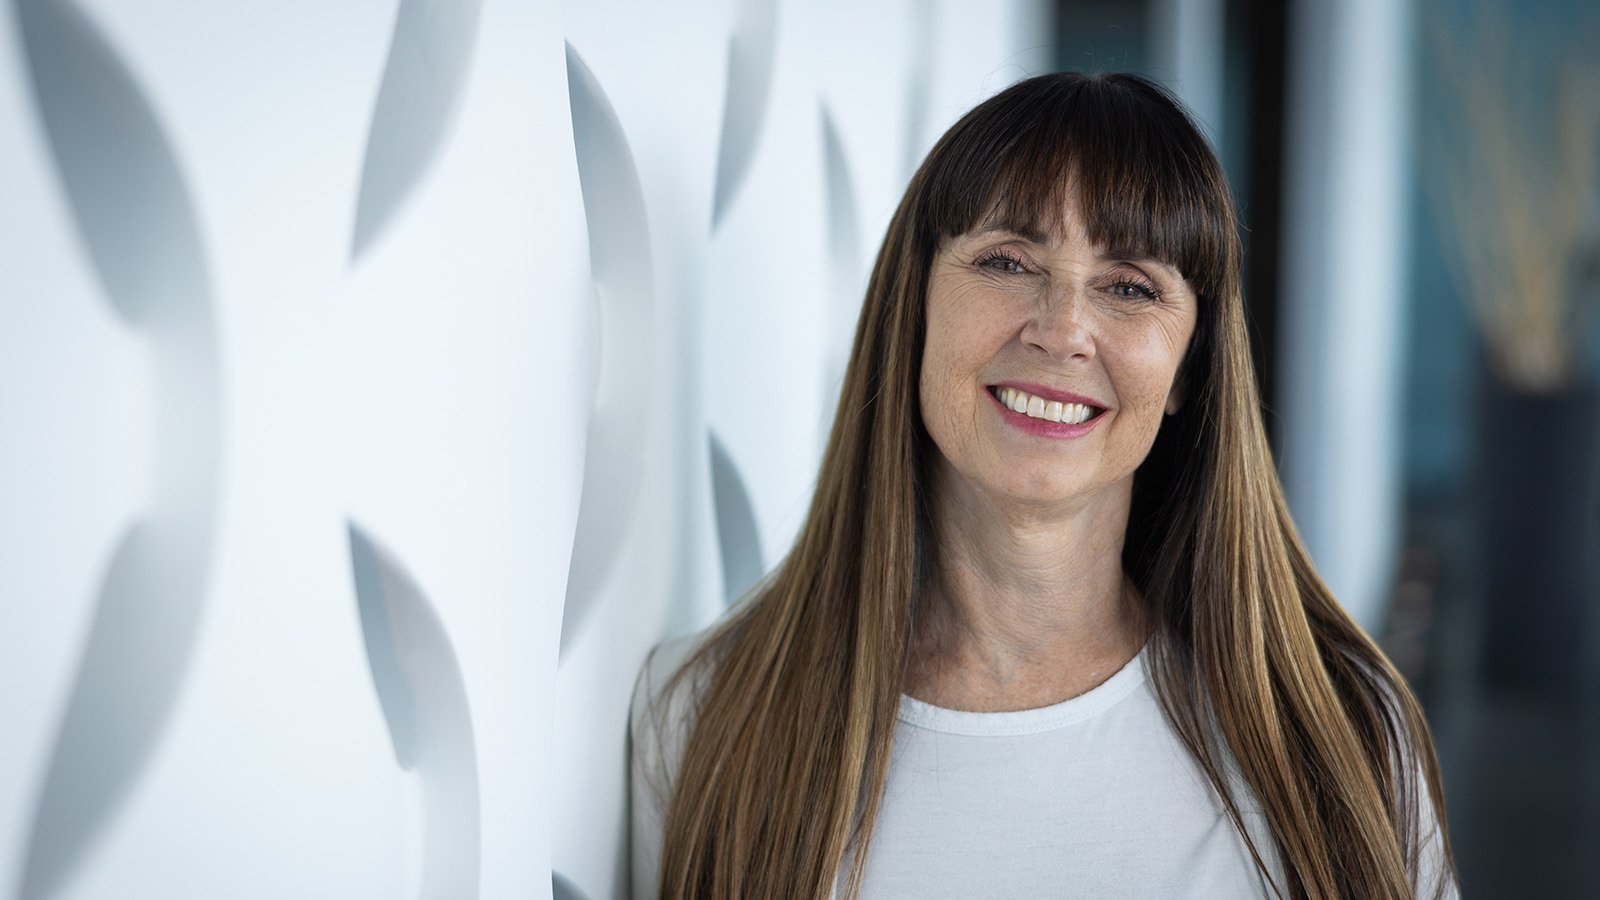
1133,290
1001,263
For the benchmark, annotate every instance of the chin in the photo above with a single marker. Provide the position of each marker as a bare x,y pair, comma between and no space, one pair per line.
1041,487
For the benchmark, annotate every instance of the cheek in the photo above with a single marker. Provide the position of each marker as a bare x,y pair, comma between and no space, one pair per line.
964,337
1170,343
941,352
1148,364
953,354
936,386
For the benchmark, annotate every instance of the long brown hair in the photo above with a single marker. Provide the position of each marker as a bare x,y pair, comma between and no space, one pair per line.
1257,667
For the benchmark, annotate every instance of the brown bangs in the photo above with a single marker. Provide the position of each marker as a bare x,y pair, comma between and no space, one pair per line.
1147,185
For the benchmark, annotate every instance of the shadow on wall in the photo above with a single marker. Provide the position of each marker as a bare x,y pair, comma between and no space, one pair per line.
749,84
420,95
562,888
737,534
132,208
619,258
424,700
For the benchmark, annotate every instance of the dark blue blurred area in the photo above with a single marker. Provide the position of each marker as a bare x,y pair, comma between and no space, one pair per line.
1495,613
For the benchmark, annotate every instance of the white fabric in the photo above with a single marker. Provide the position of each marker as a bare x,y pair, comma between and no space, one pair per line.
1093,797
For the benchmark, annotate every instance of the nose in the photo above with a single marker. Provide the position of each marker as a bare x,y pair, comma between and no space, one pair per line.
1061,324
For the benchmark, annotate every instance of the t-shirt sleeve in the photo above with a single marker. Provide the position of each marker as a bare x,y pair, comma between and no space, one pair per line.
658,729
647,808
1434,877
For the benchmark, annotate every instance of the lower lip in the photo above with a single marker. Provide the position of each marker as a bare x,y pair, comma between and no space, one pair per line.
1045,427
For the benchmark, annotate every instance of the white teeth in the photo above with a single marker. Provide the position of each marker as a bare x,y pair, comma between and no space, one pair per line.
1040,408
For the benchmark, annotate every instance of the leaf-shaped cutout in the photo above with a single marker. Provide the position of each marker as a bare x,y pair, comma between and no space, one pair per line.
426,73
118,171
750,63
919,91
562,888
131,206
620,264
424,701
736,524
844,236
133,665
844,256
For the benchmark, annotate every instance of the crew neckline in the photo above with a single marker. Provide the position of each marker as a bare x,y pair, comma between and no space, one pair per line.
1027,721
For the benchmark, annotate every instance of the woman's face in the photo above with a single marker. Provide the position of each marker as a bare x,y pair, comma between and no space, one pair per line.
1022,327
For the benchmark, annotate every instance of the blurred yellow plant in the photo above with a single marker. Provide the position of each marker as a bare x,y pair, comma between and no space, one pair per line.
1511,170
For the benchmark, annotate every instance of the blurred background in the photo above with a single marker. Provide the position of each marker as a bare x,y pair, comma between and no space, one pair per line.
380,380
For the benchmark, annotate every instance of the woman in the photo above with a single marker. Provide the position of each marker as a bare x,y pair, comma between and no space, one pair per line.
1047,629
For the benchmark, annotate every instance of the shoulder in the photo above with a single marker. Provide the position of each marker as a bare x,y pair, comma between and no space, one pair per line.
663,709
663,661
658,686
661,714
660,723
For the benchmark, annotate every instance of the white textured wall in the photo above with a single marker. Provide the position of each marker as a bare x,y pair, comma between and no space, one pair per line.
380,380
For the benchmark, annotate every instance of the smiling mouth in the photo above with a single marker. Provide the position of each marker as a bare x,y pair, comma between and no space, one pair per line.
1047,410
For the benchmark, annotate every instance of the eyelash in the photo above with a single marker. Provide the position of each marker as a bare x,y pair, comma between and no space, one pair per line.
1146,291
999,256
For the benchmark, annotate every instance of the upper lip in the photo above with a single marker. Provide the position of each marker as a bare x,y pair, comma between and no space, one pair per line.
1039,390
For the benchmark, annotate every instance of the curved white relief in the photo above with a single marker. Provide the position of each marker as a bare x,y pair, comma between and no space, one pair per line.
424,700
750,64
419,407
737,532
619,257
417,103
132,208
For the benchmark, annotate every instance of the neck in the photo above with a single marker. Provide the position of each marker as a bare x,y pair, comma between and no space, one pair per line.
1028,605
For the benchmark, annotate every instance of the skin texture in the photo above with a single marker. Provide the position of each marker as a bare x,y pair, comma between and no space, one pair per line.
1029,604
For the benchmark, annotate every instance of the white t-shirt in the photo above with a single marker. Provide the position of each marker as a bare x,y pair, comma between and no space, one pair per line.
1093,797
